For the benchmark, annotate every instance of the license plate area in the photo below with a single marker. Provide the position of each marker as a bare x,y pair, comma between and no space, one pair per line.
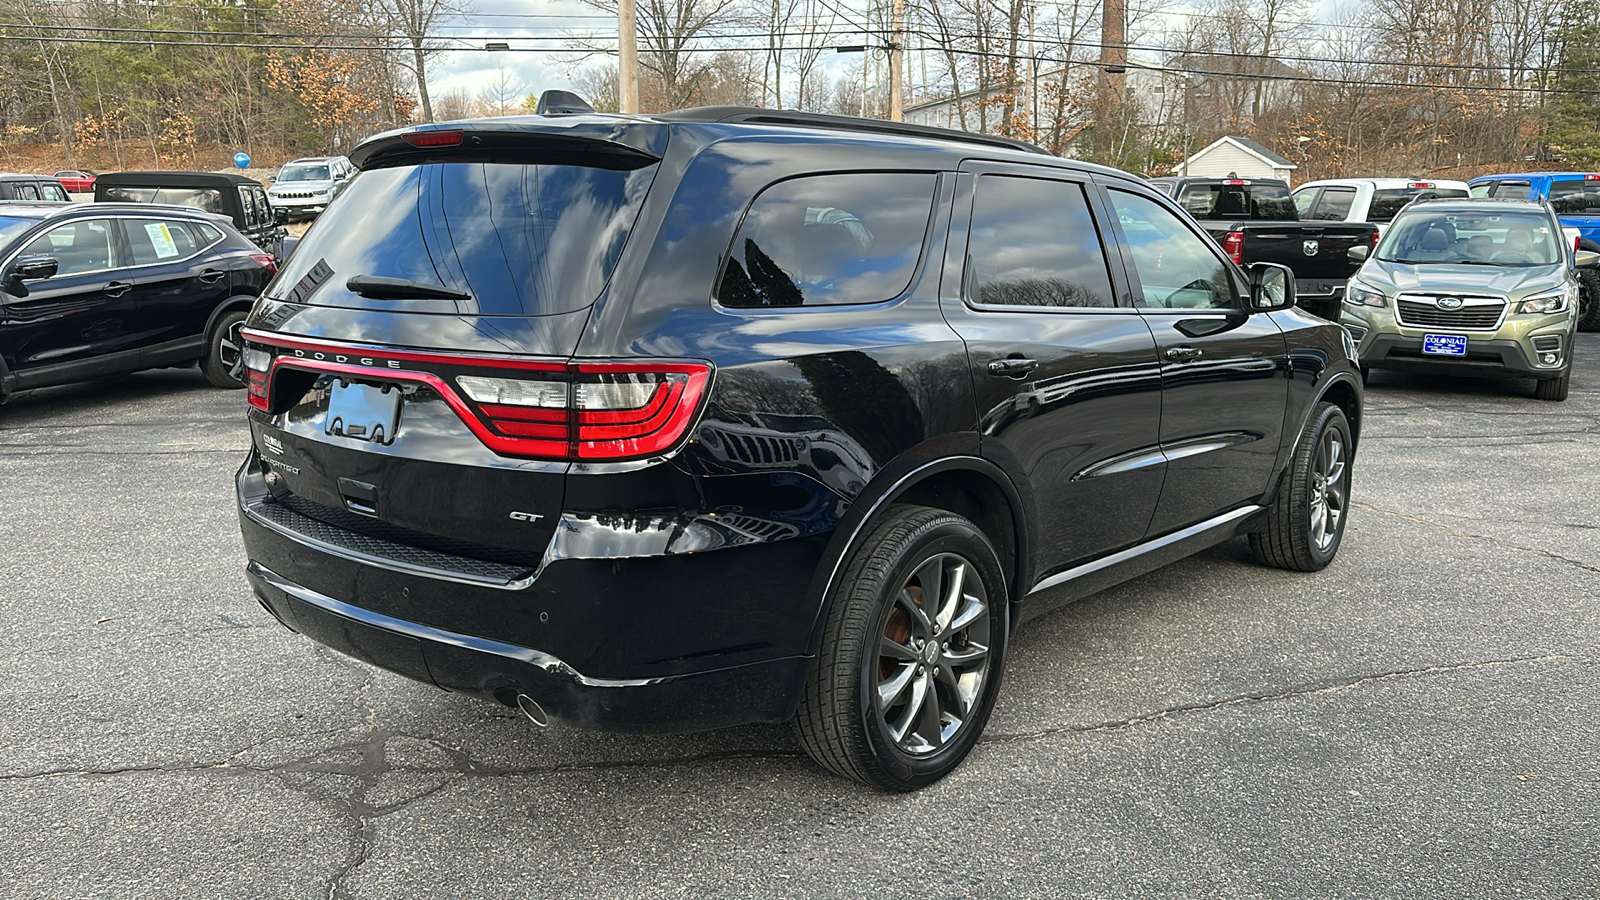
363,412
1444,344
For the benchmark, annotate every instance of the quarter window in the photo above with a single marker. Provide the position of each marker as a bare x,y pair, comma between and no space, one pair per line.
829,239
78,247
1176,268
1034,243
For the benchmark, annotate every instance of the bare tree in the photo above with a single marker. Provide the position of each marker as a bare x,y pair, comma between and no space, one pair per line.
417,22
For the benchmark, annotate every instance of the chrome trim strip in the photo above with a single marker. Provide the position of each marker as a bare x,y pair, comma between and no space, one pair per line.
383,562
537,658
1143,458
1123,556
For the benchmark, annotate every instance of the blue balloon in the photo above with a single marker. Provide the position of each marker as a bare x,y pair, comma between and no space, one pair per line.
242,160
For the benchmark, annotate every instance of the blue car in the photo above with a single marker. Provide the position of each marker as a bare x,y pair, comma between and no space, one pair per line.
1576,199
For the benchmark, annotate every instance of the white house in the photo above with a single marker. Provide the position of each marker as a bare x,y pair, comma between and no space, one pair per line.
1239,156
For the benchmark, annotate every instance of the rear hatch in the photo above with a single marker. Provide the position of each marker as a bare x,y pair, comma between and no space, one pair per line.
411,367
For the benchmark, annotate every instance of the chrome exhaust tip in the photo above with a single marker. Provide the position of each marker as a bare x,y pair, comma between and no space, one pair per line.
533,711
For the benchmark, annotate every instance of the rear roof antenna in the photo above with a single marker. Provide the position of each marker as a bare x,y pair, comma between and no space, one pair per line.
561,103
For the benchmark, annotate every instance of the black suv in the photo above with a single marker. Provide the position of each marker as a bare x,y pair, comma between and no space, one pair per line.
243,200
32,188
680,421
93,289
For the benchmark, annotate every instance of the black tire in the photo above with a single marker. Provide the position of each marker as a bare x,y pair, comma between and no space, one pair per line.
1306,521
876,644
1553,388
1588,300
223,365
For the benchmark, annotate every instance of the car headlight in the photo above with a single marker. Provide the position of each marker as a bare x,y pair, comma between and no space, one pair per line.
1361,295
1545,303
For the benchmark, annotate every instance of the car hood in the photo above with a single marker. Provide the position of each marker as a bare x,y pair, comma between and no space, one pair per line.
281,186
1512,281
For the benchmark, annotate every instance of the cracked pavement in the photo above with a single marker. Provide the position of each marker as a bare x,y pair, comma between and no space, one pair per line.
1420,720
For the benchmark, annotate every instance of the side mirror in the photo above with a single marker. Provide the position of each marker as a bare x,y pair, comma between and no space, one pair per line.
1586,259
35,266
1358,254
272,179
1271,287
280,217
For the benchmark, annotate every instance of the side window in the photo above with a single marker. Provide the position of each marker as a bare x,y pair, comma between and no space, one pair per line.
1034,243
1334,205
205,234
1516,190
1481,190
155,241
1176,268
247,200
1303,199
829,239
52,192
28,192
79,247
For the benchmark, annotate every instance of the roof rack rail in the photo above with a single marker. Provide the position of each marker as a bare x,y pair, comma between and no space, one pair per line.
752,116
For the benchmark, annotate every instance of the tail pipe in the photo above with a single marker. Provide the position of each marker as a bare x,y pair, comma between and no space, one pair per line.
533,711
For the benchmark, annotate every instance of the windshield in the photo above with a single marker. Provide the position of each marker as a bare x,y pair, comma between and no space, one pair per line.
206,199
11,226
1386,202
1473,238
522,239
303,173
1246,200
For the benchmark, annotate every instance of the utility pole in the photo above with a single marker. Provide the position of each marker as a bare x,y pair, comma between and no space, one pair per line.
897,55
627,59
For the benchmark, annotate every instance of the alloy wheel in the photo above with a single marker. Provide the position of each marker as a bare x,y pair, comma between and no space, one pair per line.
1327,490
933,655
229,349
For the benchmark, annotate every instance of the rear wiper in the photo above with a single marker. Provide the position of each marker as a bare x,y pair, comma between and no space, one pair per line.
376,287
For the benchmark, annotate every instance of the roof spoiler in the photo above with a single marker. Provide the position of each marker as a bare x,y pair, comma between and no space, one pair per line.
619,145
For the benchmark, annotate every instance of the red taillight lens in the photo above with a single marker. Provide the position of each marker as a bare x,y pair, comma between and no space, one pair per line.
1375,236
544,409
1233,245
265,261
451,138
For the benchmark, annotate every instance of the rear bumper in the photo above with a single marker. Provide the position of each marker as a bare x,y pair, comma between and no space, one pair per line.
758,692
626,643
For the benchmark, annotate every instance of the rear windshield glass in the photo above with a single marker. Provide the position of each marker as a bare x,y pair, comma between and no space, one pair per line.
1474,238
207,199
829,239
521,239
1388,201
1572,197
1255,200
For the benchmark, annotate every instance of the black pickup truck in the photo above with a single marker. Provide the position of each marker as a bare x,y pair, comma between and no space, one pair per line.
1255,221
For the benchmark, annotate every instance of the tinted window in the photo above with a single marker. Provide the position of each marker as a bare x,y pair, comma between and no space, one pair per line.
1575,197
1387,202
1176,268
79,247
828,239
155,241
1246,199
205,199
520,238
205,234
1334,204
1034,243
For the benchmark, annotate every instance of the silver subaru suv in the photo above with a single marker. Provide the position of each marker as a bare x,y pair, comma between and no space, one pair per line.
1469,286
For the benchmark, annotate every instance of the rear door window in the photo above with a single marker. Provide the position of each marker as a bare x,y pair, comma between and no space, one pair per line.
522,239
159,240
825,240
1034,243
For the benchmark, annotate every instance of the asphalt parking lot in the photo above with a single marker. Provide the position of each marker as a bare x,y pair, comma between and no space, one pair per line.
1420,720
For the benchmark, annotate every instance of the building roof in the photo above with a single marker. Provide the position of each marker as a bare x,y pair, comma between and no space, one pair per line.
1248,146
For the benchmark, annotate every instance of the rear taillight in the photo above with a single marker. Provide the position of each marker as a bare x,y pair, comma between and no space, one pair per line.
1375,236
265,261
1233,245
544,409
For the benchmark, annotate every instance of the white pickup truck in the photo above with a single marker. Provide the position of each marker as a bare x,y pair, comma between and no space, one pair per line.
1374,200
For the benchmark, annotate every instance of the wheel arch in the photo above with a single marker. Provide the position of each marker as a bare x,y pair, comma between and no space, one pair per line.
240,302
1342,392
967,485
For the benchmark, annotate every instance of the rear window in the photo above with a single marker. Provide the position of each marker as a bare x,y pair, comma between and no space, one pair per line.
205,199
1387,202
829,239
523,239
1255,200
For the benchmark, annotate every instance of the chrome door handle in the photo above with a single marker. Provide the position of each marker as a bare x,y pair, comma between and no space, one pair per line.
210,276
1014,367
118,288
1183,353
